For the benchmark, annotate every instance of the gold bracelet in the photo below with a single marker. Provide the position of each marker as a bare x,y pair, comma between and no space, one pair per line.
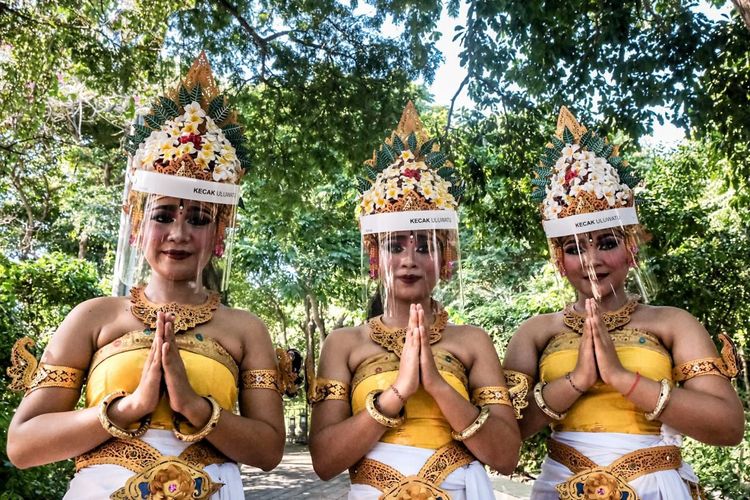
372,409
539,398
207,429
484,414
664,394
113,429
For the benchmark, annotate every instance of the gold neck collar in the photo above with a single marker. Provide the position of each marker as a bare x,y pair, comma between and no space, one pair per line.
392,339
187,316
612,320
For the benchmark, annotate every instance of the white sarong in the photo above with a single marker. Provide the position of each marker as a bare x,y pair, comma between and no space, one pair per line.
98,482
606,447
469,482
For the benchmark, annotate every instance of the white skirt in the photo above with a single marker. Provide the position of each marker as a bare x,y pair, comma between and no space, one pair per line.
98,482
606,447
468,482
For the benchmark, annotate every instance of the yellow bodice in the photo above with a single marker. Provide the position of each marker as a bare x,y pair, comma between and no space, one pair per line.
602,408
210,369
424,425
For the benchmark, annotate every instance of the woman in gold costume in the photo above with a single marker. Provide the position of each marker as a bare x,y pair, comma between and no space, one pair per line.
411,404
166,367
618,380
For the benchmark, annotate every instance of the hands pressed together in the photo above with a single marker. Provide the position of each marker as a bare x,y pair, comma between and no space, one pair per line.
163,370
417,364
597,357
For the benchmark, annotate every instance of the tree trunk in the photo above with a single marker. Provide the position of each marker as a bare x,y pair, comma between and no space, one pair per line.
83,243
316,317
743,7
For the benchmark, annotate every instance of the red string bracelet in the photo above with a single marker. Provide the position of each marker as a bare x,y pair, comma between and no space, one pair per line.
635,382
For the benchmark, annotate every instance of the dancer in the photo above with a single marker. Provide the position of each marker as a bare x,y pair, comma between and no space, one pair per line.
411,404
166,367
607,367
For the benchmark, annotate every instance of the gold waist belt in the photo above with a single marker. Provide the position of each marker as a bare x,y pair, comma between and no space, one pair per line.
611,482
157,475
423,485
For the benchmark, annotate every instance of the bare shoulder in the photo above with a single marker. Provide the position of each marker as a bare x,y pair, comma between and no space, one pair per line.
243,323
674,326
343,340
539,329
470,334
75,339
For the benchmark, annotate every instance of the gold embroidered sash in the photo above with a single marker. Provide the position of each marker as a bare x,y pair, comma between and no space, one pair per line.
424,485
611,482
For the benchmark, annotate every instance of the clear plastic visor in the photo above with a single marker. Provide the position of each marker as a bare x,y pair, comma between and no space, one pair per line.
175,241
409,267
605,262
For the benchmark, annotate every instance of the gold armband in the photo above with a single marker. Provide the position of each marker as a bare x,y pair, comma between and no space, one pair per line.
290,364
490,395
725,366
371,405
27,374
260,379
518,386
111,428
207,429
473,428
324,389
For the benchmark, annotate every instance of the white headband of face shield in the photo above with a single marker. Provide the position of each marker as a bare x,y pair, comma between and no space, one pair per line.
184,188
586,223
415,220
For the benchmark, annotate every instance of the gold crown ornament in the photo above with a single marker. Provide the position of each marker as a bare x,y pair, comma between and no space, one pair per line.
408,172
582,184
192,133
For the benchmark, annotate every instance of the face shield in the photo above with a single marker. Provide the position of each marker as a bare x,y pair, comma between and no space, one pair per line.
598,252
409,256
175,229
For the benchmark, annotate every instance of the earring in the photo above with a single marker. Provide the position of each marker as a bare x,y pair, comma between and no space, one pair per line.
374,267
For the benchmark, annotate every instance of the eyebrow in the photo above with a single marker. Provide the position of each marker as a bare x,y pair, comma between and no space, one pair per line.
192,208
571,239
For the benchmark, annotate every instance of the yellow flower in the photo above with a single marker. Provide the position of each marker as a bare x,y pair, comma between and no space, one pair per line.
427,190
171,482
407,155
392,192
379,201
190,128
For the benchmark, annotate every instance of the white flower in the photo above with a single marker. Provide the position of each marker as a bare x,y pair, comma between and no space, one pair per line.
569,150
194,108
221,172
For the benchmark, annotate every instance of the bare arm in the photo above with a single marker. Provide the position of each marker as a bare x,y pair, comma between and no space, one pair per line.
45,427
498,441
338,440
706,408
256,436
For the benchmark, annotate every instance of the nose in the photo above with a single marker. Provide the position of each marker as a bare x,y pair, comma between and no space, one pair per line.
178,231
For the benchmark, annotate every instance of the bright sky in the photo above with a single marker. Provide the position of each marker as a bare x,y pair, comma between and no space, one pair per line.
449,75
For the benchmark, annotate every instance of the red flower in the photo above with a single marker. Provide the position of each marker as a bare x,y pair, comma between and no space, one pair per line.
414,174
569,175
194,138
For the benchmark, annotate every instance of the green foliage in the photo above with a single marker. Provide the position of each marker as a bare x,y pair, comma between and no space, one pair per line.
721,470
35,296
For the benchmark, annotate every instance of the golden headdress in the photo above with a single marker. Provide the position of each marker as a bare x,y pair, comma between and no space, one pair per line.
409,173
192,133
581,173
188,146
583,185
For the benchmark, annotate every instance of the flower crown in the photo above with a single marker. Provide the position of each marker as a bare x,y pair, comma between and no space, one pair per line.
191,133
581,173
409,172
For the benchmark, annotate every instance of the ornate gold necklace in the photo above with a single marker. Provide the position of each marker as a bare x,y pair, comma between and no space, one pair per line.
392,339
612,320
187,316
